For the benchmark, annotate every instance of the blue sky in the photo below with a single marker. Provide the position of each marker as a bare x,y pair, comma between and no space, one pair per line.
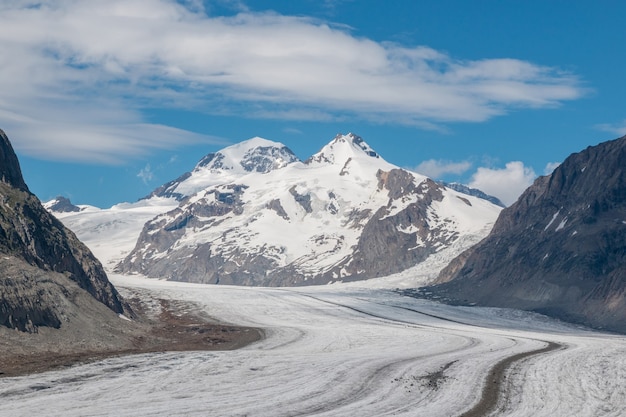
106,100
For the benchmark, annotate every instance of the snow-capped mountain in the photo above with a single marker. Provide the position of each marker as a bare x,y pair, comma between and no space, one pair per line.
254,155
253,214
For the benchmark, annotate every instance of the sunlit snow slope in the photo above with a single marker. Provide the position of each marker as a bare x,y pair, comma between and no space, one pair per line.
112,233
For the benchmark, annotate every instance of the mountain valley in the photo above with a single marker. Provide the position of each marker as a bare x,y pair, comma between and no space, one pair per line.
382,353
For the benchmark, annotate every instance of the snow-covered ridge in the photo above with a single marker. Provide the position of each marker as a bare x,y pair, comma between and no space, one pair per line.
62,205
256,155
253,155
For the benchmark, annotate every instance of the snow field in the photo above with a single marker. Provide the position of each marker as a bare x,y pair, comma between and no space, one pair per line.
111,233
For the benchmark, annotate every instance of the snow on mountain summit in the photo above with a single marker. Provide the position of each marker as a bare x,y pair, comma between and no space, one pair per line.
342,149
253,155
350,155
256,155
61,205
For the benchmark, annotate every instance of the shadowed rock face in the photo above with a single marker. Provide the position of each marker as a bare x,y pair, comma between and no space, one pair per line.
30,234
10,172
28,296
381,249
560,249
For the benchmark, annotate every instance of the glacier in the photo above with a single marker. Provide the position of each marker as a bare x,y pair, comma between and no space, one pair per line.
340,351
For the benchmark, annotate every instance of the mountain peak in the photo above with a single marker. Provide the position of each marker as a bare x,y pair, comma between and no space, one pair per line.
10,171
253,155
347,214
343,148
61,205
356,142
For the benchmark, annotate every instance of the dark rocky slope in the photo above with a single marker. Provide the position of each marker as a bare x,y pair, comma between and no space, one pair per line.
37,253
560,249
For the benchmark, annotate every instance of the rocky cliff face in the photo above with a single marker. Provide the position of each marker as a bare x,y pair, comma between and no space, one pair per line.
30,235
10,171
344,214
560,249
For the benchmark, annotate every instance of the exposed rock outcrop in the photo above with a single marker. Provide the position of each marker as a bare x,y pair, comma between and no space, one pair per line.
10,171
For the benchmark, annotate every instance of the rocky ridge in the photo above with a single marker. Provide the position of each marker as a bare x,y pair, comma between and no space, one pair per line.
560,249
61,205
474,192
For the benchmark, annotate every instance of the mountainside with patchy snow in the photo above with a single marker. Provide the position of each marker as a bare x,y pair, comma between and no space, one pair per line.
253,214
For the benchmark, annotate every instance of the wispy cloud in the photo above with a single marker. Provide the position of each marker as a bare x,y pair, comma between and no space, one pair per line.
331,5
91,67
97,142
550,167
505,183
146,174
618,129
437,168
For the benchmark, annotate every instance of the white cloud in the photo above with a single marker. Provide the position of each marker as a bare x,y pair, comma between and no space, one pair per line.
71,65
507,183
550,167
618,129
146,174
437,168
